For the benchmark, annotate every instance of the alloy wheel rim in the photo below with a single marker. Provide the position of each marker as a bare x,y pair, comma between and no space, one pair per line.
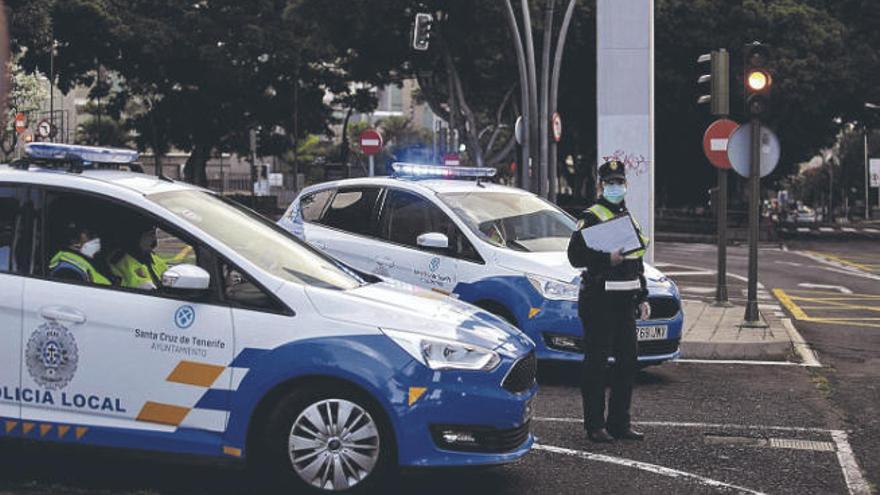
333,444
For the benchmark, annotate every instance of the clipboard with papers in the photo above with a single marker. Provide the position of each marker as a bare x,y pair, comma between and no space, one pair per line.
619,233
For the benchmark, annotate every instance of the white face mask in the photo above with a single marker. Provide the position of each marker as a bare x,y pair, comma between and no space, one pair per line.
91,248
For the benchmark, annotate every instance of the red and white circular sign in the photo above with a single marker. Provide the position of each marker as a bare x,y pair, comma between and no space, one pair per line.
451,160
371,142
715,142
556,125
20,122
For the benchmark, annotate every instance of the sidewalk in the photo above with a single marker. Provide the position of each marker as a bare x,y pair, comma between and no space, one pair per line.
714,333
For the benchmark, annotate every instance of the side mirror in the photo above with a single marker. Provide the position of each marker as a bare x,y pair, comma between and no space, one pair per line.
186,277
434,240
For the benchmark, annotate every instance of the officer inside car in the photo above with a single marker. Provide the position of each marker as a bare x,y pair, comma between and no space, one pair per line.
613,292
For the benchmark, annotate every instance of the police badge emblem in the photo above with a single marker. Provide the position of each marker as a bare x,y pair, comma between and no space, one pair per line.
52,356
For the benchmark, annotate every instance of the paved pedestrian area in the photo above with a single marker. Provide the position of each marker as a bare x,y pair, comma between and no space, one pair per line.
716,332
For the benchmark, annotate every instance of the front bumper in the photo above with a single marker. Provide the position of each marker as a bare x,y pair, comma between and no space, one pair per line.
461,403
558,334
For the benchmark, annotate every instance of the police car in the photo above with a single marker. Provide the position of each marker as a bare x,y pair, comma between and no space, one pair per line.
253,345
500,248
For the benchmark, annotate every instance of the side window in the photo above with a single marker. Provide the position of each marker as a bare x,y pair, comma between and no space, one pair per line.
239,289
101,242
11,225
352,210
312,205
406,216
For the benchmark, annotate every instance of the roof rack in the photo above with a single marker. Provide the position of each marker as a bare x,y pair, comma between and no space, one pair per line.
76,158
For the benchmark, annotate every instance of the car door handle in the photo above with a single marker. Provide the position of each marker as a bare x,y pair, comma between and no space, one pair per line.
385,261
61,313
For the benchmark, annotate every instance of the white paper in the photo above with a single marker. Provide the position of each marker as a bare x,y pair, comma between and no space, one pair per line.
612,236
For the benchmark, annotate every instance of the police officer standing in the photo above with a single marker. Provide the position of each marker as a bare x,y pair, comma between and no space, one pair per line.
613,290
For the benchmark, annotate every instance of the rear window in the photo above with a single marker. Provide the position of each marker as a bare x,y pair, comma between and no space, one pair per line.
352,210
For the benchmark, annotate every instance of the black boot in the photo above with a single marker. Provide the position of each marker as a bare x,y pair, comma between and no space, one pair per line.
599,436
627,434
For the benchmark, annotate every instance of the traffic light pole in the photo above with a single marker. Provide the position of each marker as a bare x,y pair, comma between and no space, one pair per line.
752,316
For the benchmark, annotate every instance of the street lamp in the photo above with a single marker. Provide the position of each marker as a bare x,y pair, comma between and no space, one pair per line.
869,106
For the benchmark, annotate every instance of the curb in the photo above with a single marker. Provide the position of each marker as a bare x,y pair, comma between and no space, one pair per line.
709,337
746,351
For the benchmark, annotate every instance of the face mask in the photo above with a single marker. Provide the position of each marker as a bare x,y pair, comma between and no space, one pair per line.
91,247
614,192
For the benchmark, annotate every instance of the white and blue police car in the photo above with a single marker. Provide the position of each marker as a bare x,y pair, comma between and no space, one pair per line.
497,247
252,346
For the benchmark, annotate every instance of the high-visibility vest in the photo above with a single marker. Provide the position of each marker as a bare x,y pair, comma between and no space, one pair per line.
78,262
136,275
604,214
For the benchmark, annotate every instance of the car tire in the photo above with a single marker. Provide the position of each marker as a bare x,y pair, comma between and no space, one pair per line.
308,447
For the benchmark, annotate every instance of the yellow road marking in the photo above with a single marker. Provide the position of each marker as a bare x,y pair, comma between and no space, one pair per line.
842,261
792,308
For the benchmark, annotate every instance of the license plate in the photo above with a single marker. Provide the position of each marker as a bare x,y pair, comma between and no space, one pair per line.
658,332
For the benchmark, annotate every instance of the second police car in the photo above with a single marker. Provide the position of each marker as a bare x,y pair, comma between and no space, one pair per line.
498,247
254,345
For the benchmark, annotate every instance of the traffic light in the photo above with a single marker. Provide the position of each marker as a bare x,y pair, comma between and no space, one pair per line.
719,81
757,80
422,31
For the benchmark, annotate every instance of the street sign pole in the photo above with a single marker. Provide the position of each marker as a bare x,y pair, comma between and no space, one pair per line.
867,179
752,317
721,285
372,166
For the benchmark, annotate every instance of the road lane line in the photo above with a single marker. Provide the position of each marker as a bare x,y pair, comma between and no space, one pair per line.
739,361
644,466
852,474
800,345
838,288
685,424
792,308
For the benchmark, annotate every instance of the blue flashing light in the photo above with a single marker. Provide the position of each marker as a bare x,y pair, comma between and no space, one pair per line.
418,170
92,154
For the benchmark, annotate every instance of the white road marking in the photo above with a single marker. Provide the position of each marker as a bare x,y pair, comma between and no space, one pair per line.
800,345
685,274
838,288
840,268
792,263
803,229
698,290
826,229
644,466
872,231
685,424
713,272
848,229
738,361
855,482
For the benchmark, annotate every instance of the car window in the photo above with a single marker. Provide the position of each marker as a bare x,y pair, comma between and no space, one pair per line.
98,241
312,205
241,290
10,223
257,239
352,210
406,216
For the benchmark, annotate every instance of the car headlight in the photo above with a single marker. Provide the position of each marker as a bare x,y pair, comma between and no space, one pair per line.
554,289
442,354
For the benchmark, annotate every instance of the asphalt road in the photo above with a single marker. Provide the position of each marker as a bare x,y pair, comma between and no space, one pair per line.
712,428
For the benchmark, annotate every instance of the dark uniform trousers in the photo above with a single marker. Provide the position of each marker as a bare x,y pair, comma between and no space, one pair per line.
609,322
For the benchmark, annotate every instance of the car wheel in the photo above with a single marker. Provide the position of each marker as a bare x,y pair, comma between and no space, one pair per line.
327,442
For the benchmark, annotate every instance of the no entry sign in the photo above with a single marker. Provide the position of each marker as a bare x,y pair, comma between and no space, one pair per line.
20,122
371,142
715,142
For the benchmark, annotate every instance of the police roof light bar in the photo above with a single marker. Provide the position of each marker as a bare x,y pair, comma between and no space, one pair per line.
85,154
420,170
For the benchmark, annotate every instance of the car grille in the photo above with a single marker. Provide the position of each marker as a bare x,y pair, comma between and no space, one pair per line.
663,308
487,440
522,376
658,347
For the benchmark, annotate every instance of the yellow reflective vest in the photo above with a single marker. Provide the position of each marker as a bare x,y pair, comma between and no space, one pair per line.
136,275
79,262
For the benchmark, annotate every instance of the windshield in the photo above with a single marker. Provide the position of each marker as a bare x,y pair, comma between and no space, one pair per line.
257,239
513,220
